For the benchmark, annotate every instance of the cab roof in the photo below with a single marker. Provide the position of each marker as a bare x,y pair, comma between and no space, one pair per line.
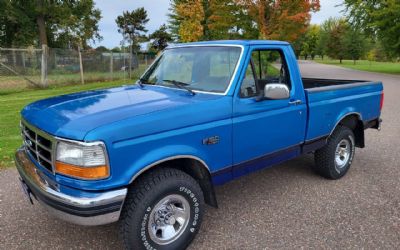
232,42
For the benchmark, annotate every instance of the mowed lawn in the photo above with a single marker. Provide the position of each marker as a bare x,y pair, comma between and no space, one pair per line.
11,103
380,67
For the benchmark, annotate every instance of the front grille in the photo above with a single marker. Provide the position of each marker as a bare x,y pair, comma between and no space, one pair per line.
39,145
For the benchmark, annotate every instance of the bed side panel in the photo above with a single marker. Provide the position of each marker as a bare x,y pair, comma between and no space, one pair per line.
328,106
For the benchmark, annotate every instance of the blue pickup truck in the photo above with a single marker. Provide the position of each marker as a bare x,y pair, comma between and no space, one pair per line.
149,154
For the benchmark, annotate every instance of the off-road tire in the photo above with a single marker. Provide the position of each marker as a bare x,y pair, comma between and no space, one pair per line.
325,163
145,193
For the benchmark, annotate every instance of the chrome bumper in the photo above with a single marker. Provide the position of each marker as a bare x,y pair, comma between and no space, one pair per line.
88,209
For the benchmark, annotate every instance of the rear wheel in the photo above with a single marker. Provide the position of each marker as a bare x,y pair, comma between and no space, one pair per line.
335,158
163,210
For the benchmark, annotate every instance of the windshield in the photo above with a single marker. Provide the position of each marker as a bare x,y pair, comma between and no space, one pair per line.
200,68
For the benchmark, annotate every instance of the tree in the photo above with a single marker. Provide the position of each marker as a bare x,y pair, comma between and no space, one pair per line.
132,25
161,38
355,43
336,29
102,49
190,17
281,19
206,20
16,28
322,45
311,41
380,18
174,19
116,50
53,23
224,20
371,56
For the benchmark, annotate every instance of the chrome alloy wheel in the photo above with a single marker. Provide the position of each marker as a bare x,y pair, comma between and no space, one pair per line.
342,154
169,219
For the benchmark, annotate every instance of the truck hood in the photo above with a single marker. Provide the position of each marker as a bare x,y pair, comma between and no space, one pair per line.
73,116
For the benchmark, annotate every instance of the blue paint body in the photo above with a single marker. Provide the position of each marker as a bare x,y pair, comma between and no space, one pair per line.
143,126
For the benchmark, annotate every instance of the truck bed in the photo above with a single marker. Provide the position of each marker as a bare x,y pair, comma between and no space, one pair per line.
331,100
310,83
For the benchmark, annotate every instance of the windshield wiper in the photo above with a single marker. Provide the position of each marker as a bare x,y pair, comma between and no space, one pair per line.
181,85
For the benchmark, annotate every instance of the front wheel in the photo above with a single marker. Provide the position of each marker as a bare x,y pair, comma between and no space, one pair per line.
335,158
163,210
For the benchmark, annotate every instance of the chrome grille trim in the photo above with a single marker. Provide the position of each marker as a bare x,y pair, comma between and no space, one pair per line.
34,141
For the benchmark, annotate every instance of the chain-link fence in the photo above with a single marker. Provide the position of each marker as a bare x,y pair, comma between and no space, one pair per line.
48,66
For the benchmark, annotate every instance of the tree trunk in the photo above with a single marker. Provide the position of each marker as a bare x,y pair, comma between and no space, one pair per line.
42,29
341,60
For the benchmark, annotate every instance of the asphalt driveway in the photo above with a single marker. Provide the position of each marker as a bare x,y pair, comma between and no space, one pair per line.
284,207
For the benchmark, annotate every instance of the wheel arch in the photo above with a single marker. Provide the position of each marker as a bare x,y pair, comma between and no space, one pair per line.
191,165
352,120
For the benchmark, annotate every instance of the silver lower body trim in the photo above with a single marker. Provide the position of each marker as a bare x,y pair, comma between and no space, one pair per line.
88,208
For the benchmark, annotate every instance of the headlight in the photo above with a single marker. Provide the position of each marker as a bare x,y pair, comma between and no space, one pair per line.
82,160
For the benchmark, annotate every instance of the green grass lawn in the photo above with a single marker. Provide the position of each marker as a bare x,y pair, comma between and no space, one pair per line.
12,101
61,78
380,67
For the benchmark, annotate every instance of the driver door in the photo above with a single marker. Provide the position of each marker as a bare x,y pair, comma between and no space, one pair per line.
265,132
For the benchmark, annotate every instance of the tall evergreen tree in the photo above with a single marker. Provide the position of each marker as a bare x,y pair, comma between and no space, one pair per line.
132,25
161,38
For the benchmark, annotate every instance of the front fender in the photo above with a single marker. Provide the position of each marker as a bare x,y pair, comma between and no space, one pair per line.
163,154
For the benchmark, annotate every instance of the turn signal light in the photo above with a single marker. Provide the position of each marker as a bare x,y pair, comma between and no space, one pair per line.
87,173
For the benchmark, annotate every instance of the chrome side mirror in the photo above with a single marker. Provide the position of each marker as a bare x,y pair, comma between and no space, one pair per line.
276,91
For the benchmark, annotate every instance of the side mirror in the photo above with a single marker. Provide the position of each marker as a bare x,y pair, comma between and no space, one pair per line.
276,91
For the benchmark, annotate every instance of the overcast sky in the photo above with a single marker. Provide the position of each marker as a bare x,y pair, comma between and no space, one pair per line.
158,10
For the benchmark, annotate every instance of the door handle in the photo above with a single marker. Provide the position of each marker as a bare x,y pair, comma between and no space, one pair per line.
295,102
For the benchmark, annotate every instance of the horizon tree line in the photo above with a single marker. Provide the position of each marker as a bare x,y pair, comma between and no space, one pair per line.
368,30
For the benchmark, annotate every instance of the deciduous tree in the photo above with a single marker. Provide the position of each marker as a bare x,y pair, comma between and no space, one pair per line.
379,18
281,19
355,43
102,49
337,29
322,45
207,20
54,23
311,41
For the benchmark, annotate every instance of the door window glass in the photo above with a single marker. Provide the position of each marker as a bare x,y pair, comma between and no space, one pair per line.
248,88
269,67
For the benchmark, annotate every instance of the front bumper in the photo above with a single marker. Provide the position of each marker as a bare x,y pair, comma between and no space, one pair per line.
88,209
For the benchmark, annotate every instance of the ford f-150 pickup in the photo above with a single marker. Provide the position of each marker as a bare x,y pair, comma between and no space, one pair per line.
149,154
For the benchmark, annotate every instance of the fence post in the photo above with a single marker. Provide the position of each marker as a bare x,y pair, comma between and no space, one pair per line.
130,61
111,65
81,65
43,79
